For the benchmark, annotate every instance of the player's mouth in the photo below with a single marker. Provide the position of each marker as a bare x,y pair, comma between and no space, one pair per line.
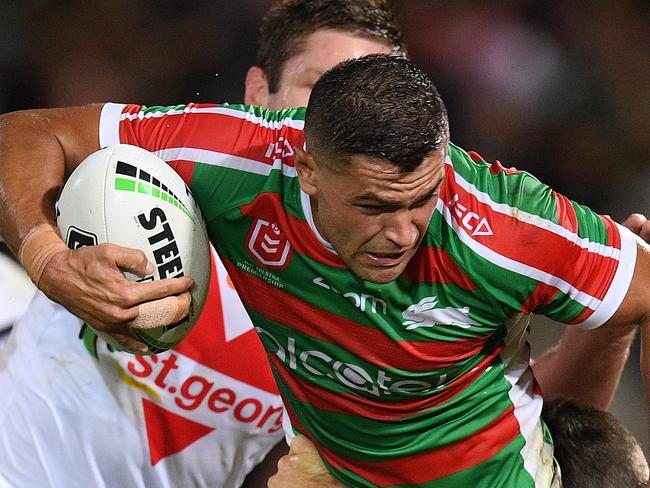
386,259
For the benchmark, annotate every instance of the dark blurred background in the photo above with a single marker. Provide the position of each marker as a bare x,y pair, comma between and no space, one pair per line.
558,88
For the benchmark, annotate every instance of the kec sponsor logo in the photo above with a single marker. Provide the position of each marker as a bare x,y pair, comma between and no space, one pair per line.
353,376
269,245
425,314
362,301
198,392
472,222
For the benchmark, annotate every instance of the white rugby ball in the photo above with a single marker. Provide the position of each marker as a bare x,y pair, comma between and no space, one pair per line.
126,195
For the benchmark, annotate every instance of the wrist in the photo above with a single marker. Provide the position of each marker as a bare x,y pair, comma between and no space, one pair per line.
38,247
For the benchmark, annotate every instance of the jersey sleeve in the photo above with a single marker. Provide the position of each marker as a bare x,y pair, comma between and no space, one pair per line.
221,151
536,250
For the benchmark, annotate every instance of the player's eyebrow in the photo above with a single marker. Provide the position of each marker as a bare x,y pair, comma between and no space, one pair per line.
373,198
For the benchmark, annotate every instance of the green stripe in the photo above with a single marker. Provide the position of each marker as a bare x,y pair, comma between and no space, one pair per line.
505,469
89,339
124,184
268,114
161,109
356,437
590,225
521,190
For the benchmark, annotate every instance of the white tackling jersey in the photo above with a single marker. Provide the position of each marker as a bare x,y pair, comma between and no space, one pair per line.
76,414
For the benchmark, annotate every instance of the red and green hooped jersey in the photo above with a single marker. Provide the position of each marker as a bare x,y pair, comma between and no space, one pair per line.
423,381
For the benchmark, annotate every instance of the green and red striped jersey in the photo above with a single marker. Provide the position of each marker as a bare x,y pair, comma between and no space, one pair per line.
423,381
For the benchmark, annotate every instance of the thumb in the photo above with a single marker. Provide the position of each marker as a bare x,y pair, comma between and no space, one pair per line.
301,444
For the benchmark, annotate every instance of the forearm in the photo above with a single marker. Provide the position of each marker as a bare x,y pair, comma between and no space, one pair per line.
586,365
27,192
37,147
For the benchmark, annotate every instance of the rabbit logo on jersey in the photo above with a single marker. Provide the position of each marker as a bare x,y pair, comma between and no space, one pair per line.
426,314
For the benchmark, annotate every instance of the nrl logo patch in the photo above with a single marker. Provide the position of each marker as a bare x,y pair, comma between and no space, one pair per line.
269,245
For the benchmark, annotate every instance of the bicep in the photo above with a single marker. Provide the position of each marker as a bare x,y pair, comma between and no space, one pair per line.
77,131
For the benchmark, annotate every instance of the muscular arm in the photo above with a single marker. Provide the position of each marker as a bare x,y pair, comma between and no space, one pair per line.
38,148
586,365
635,308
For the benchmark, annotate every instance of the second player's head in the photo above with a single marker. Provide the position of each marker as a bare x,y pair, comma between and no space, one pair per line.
301,39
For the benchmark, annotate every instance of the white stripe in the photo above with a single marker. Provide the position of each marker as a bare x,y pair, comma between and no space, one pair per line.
306,209
515,266
537,221
620,284
536,454
224,160
261,121
109,124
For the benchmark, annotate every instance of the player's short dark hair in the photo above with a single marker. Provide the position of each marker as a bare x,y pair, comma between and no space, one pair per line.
594,448
377,105
288,22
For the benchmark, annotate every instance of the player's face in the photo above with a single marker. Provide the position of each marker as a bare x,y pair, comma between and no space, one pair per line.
321,51
373,215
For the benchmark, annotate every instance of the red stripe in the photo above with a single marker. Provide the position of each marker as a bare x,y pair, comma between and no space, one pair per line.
541,296
381,409
566,214
613,234
434,265
495,167
437,463
537,247
208,131
364,341
268,206
582,316
185,169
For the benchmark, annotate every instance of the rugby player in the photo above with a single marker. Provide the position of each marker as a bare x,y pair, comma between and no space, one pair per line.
252,76
399,392
118,408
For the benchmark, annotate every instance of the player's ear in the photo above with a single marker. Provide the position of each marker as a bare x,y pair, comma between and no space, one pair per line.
256,90
307,171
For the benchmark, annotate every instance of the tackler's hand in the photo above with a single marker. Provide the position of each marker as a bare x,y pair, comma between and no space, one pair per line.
638,224
303,468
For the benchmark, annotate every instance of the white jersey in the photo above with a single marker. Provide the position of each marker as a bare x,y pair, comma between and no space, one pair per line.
75,414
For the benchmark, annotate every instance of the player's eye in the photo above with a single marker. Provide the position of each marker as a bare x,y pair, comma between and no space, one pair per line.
371,208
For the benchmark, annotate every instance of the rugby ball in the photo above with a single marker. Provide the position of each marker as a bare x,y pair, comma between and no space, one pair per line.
126,195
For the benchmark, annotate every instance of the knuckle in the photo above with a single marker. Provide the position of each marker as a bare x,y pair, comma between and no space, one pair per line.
130,293
117,314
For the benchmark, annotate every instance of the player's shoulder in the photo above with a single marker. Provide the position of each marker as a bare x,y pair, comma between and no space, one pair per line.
493,182
266,117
